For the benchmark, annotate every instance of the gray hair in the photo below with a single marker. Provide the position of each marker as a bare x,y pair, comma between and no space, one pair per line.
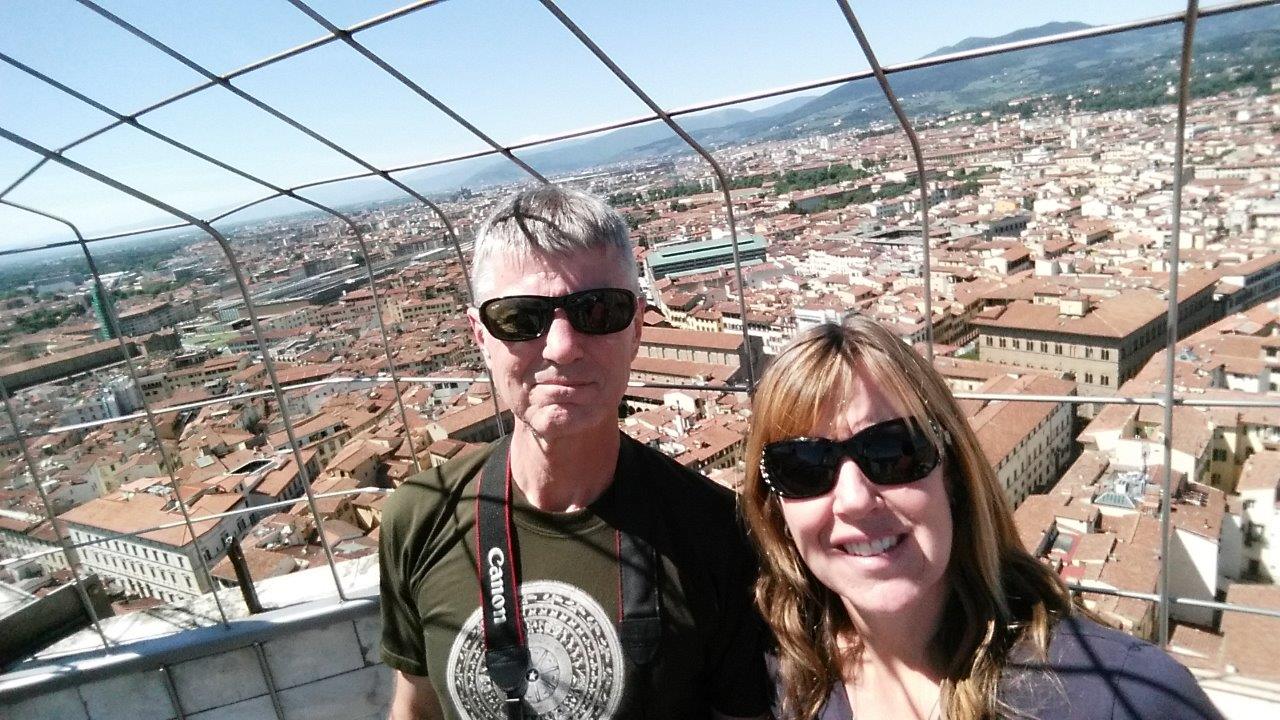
550,220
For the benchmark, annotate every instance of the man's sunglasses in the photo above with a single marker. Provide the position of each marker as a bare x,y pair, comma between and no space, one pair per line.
894,452
517,318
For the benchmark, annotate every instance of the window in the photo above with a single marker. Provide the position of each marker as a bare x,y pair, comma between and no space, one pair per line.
1002,342
1088,352
1106,354
1044,347
1088,378
1219,455
1106,380
1057,348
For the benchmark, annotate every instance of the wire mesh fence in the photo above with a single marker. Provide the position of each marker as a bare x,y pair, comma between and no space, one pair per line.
390,374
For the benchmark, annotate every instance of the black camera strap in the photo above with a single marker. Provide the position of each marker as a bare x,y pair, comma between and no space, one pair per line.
506,649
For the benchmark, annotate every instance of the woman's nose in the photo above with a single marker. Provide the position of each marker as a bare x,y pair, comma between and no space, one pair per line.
854,494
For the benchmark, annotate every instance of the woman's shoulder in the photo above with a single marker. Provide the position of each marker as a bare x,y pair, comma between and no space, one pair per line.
1096,671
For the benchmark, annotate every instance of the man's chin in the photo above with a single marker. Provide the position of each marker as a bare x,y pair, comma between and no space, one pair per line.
559,421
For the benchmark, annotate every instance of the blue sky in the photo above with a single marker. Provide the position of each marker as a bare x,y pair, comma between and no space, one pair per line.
506,65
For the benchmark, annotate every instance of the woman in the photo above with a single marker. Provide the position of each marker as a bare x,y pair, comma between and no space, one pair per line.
892,576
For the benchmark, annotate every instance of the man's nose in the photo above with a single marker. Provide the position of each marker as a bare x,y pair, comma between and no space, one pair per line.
563,343
854,494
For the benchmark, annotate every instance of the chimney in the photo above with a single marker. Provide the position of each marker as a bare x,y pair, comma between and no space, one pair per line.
1074,304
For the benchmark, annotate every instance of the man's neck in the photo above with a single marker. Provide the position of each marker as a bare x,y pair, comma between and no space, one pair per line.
567,473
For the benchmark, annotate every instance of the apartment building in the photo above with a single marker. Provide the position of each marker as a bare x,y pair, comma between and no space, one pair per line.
210,372
1100,341
1134,437
147,318
686,257
23,533
416,310
1260,495
703,347
1249,283
164,563
1100,525
1028,443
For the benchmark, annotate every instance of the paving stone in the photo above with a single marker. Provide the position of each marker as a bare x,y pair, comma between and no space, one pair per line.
363,693
304,657
61,705
258,708
137,696
217,680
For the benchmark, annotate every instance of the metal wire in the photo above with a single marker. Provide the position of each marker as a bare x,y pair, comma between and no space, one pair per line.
64,545
603,57
257,65
921,172
1190,602
112,319
278,192
340,380
1171,340
268,363
985,51
346,37
252,509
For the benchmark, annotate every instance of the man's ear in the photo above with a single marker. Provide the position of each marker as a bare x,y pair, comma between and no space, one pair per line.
639,321
477,330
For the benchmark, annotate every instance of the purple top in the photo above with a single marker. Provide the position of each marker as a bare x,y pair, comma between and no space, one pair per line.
1093,672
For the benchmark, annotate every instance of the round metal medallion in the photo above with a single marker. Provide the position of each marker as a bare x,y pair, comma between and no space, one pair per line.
576,662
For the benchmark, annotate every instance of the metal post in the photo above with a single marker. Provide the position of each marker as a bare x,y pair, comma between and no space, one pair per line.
1171,329
919,158
270,679
172,689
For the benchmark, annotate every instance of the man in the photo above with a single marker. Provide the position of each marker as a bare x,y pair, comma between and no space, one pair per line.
629,573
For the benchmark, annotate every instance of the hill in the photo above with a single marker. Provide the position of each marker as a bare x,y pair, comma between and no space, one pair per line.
1139,64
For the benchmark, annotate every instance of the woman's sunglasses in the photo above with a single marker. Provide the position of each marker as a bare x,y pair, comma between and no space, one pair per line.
894,452
517,318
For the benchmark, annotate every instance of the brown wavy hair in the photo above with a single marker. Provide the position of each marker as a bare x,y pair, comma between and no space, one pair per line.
1000,596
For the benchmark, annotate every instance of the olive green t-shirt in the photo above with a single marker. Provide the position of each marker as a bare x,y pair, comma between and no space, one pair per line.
710,653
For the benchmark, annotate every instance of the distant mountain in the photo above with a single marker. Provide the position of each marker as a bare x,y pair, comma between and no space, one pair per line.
1099,63
973,43
615,146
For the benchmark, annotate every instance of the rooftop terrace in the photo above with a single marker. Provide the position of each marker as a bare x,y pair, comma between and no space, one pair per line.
313,651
